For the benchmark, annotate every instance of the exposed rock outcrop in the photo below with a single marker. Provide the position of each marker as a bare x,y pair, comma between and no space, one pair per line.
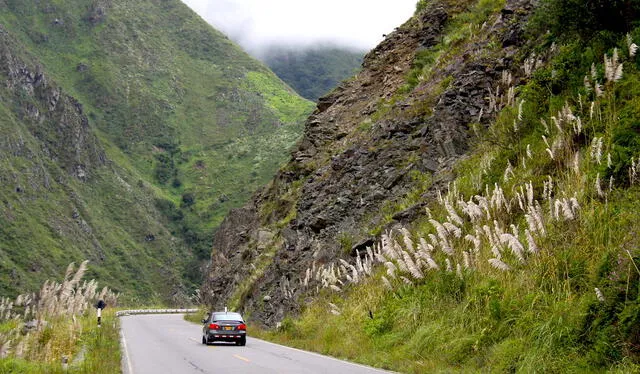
56,119
362,150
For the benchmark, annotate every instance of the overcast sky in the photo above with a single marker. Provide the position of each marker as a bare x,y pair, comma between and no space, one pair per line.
352,23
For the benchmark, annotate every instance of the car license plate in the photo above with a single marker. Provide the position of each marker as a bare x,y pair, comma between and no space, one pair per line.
228,327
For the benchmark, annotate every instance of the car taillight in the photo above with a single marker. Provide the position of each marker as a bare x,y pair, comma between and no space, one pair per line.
214,326
242,327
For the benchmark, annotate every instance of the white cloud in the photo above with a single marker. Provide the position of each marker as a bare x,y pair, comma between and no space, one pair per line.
354,23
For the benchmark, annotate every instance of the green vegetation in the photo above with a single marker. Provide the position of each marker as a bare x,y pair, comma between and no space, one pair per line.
197,316
190,124
39,331
101,350
459,29
313,71
50,218
277,214
259,265
586,18
530,262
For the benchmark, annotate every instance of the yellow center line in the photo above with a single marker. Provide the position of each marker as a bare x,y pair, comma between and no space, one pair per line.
241,358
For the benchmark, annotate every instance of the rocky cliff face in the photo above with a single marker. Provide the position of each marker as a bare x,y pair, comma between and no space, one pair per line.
364,149
53,117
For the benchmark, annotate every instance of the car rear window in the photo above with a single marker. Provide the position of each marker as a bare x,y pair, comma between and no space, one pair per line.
227,317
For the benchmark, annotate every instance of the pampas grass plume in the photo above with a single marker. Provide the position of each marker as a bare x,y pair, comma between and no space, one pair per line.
498,264
407,281
386,283
599,295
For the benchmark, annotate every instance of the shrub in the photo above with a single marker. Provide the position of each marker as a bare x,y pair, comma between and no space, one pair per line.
421,5
188,199
584,18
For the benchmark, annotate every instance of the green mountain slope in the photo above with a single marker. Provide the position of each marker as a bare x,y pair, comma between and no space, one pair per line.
467,203
312,71
172,93
189,122
64,200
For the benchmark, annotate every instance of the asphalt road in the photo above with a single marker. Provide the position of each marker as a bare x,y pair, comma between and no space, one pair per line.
168,344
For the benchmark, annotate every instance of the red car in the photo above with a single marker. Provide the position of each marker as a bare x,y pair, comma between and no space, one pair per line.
224,327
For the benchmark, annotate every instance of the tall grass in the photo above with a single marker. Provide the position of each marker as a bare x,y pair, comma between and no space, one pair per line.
527,262
40,331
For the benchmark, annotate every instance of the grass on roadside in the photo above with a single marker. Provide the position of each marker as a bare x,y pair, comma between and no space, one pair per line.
40,331
543,276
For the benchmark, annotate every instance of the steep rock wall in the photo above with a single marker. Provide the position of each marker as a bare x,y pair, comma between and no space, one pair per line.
363,148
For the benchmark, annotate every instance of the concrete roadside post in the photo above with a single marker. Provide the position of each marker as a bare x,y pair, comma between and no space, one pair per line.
99,306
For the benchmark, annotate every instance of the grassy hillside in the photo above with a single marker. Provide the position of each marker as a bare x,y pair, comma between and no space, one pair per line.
65,328
528,261
190,124
64,201
312,71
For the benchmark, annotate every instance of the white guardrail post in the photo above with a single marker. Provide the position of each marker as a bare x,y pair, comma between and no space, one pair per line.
121,313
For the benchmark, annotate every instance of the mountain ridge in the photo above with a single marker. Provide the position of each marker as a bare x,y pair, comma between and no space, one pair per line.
185,123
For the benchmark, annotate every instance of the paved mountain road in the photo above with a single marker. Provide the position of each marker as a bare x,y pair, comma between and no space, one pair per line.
168,344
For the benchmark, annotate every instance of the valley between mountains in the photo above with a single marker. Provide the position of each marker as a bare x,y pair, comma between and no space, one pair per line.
467,201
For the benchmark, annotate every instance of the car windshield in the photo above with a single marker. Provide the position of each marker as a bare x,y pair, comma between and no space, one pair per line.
227,317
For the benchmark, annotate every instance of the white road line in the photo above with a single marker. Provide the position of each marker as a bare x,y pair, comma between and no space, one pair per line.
323,356
129,368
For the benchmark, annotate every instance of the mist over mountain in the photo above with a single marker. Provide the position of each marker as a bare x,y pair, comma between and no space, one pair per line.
312,71
311,46
354,24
